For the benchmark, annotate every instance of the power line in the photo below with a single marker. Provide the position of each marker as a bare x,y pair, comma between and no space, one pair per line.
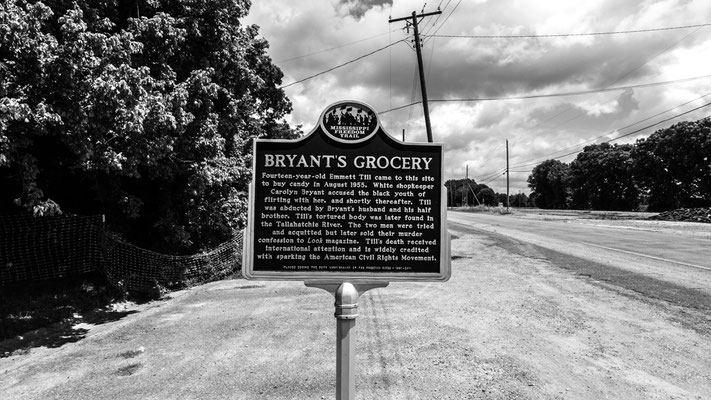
436,20
620,78
574,93
633,132
341,65
491,180
536,160
571,34
423,87
657,123
414,91
335,48
494,175
447,18
560,94
486,36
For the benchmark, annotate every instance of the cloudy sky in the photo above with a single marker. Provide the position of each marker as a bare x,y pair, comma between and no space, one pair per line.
548,75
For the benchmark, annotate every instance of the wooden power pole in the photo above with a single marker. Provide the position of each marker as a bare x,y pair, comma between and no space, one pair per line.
466,180
418,50
507,175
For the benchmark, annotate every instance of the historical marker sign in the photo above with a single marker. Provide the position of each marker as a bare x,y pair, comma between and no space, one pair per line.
347,203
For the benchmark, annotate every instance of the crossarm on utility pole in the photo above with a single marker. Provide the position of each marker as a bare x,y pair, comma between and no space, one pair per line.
423,87
409,17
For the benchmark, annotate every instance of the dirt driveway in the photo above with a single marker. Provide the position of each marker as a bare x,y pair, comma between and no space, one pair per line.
508,325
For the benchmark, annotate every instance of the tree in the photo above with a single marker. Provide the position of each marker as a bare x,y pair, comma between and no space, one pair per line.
518,200
549,184
601,178
487,196
461,191
673,166
142,111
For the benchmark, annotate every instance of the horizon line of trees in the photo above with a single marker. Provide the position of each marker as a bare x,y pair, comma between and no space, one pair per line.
670,169
466,191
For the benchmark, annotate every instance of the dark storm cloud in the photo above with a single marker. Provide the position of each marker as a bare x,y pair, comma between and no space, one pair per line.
469,68
475,71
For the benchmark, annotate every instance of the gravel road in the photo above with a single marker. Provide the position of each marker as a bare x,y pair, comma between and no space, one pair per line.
514,322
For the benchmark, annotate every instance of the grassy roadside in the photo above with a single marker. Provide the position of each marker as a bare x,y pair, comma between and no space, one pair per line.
30,306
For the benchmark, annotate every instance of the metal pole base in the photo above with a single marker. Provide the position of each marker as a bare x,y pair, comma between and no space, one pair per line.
346,295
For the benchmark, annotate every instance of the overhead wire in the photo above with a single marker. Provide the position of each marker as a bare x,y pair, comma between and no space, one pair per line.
450,14
414,82
493,176
544,95
486,181
573,93
580,145
630,72
580,113
657,123
340,65
336,47
631,133
472,36
434,22
474,99
571,34
618,79
489,177
413,93
608,89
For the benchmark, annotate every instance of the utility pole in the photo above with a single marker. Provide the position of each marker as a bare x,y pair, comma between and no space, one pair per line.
507,175
466,179
423,87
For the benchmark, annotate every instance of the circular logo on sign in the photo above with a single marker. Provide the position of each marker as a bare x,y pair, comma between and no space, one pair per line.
349,121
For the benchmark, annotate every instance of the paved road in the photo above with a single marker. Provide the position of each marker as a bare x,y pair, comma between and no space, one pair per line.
673,252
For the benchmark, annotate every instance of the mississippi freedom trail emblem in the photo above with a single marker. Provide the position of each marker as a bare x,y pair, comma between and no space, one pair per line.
349,121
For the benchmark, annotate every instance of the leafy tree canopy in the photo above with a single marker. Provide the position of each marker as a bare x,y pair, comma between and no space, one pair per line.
143,111
601,178
674,165
670,169
549,184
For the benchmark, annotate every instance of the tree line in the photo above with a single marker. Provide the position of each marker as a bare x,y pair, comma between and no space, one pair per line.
466,192
670,169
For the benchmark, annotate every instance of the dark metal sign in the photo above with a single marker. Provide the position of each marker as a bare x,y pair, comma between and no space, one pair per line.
347,203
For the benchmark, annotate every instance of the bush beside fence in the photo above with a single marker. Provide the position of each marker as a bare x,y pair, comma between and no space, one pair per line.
41,248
